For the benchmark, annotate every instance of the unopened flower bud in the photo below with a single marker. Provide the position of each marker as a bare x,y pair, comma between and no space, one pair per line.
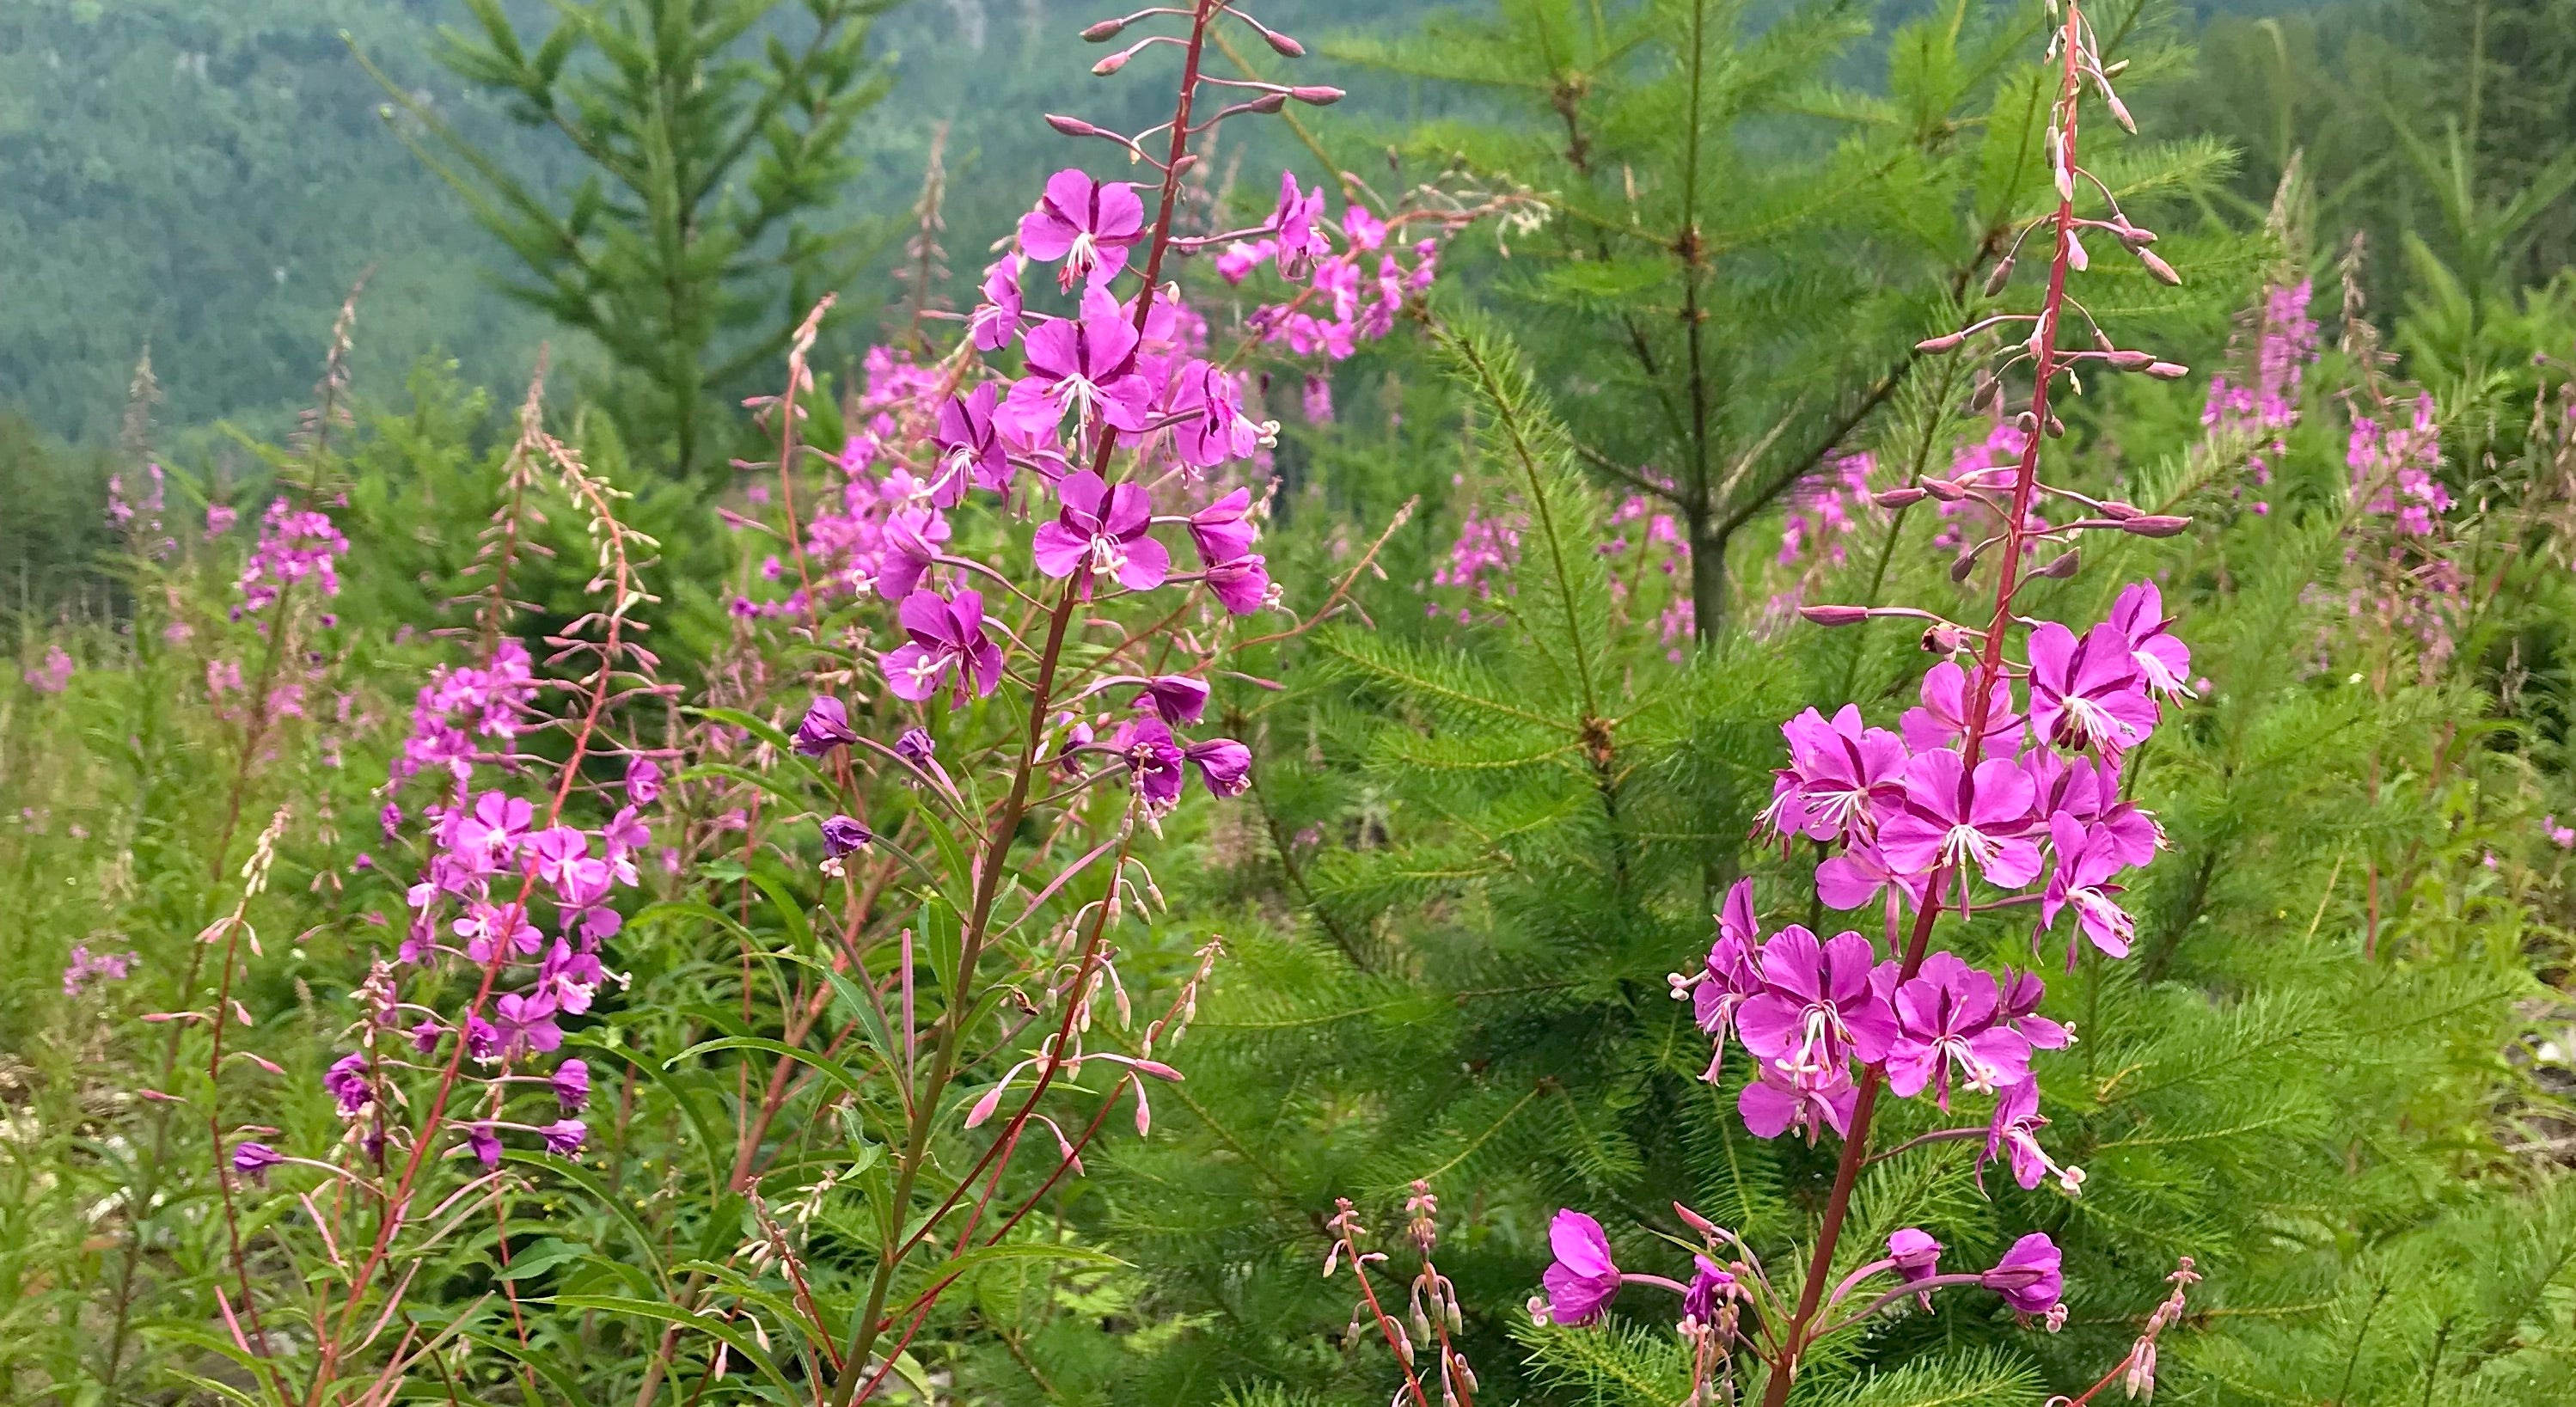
2155,525
1283,45
1899,497
2058,568
2119,111
1104,31
2002,275
1964,564
1421,1324
1112,64
1834,615
2076,258
2026,422
1267,102
2163,272
1071,126
2056,427
1316,95
1946,342
2168,371
1942,489
2114,508
2130,361
1182,166
2114,70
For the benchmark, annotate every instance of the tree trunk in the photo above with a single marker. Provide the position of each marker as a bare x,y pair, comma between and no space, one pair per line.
1708,579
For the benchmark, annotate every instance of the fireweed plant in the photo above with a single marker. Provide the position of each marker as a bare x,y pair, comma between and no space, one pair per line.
2001,790
1007,594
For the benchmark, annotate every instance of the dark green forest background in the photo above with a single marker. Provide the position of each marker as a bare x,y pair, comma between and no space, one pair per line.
211,177
206,181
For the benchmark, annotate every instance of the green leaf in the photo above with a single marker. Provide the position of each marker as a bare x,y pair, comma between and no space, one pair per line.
708,1325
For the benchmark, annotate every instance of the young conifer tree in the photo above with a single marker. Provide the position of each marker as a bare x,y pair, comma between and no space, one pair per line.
704,222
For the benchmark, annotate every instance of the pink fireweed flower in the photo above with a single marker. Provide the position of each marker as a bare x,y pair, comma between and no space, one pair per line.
1212,428
2028,1277
1583,1279
2017,1006
2162,661
1224,531
1242,585
490,834
1847,774
564,1137
253,1159
1948,820
1778,1102
2013,1133
1240,258
86,967
2087,692
571,1083
525,1023
1946,1017
911,540
1106,528
1817,1009
1299,221
220,518
996,320
346,1083
946,637
1708,1286
1943,718
1914,1255
643,781
970,448
1860,874
826,725
844,836
484,1144
1728,978
2088,789
1088,224
1178,699
1083,367
1223,764
2086,861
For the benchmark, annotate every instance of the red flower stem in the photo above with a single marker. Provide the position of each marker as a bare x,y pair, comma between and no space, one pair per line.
1802,1324
1385,1326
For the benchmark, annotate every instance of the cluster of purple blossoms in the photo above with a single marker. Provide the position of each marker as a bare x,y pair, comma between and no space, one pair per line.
86,967
2396,469
2266,404
462,703
53,675
1345,301
139,520
294,545
2014,797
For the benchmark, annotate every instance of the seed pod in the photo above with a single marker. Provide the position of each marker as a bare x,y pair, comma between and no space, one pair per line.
1316,95
1284,46
1071,126
2168,371
1943,489
2057,568
2056,427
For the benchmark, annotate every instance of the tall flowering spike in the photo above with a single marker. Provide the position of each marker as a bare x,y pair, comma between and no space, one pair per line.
1088,224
